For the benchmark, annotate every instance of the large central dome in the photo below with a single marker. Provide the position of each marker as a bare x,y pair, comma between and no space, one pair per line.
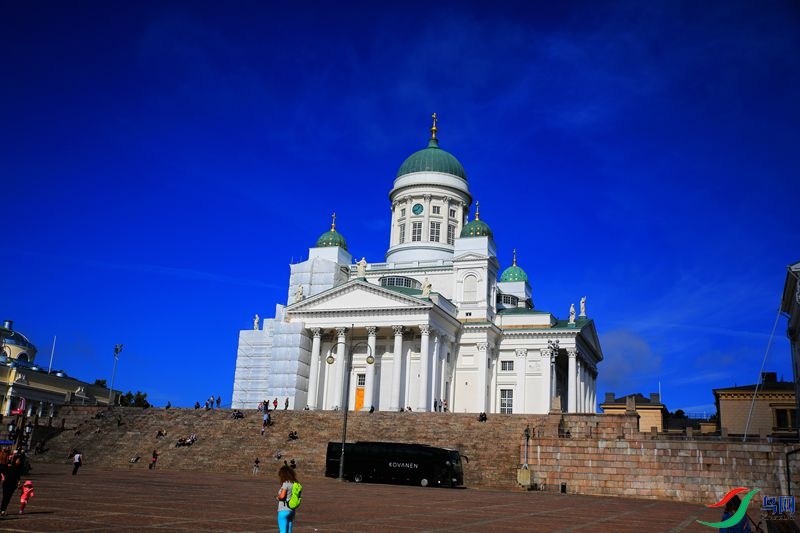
432,159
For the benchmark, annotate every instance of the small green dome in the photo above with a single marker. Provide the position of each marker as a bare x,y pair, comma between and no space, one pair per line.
476,228
332,237
432,159
514,273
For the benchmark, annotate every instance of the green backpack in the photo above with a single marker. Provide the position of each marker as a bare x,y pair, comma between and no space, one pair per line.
297,496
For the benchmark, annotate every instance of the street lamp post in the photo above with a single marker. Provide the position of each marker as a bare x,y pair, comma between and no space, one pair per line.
117,349
346,391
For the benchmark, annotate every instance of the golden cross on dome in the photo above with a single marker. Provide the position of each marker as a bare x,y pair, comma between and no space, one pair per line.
515,257
477,210
333,222
434,129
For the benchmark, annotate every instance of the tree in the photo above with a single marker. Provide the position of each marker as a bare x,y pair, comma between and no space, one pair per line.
130,399
101,383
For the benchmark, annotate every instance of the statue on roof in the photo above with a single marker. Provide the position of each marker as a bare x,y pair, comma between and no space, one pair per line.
361,270
571,313
298,294
255,322
426,288
583,307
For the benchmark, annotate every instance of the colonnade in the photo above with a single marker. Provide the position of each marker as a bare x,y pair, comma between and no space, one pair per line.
431,385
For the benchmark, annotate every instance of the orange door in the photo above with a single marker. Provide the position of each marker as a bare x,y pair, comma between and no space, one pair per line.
359,398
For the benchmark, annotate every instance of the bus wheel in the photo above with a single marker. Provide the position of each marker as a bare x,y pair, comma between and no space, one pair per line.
423,482
358,478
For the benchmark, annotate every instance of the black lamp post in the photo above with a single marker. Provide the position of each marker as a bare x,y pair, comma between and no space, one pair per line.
12,431
346,392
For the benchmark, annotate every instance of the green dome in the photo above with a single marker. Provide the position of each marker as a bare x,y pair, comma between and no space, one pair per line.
476,228
432,159
331,238
514,273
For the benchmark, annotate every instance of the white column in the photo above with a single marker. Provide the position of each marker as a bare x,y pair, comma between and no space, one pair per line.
369,386
435,393
313,372
341,353
397,365
572,396
448,347
520,362
424,362
483,372
494,361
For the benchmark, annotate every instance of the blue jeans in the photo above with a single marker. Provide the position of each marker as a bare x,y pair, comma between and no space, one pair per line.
285,519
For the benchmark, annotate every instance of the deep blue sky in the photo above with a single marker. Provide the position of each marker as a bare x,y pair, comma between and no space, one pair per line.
162,163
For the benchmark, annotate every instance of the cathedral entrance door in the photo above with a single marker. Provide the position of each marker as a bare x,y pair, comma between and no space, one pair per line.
359,398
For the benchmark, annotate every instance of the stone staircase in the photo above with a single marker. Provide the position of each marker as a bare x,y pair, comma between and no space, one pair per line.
230,445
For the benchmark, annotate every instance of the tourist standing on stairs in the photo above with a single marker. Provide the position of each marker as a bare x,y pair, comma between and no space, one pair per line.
155,460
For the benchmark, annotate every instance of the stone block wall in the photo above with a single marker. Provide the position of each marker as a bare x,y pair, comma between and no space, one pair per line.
605,456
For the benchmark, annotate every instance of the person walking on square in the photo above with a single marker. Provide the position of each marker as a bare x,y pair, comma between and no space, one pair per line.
77,462
27,494
255,466
275,404
11,472
219,400
154,461
286,404
287,478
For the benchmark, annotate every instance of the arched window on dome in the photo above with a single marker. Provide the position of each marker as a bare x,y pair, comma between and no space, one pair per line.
22,357
470,288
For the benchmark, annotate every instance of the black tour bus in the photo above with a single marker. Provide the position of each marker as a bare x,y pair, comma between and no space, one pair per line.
394,462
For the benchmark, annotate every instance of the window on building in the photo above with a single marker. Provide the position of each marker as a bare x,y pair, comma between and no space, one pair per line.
402,233
402,211
435,229
507,299
452,213
451,234
470,289
416,231
361,380
785,419
400,281
506,401
507,366
437,210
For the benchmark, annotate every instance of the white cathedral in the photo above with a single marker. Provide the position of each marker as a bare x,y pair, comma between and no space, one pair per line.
432,326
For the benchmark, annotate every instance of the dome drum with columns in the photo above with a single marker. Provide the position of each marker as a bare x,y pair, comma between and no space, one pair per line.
435,324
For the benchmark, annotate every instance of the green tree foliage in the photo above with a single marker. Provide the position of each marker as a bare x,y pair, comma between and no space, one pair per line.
130,399
100,383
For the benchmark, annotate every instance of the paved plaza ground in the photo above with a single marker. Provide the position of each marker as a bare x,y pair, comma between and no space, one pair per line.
141,500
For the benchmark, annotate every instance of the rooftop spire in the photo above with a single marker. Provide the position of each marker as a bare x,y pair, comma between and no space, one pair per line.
333,222
515,257
477,210
434,129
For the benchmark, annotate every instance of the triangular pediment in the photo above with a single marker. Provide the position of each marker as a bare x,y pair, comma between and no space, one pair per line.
359,295
471,256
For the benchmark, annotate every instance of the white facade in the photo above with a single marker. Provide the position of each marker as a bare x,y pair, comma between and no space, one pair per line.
440,326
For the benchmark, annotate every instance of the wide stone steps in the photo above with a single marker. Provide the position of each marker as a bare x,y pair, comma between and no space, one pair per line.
231,445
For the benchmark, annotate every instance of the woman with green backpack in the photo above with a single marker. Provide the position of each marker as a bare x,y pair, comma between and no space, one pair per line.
289,496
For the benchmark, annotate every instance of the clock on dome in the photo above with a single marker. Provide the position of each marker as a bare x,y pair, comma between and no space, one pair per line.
417,209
